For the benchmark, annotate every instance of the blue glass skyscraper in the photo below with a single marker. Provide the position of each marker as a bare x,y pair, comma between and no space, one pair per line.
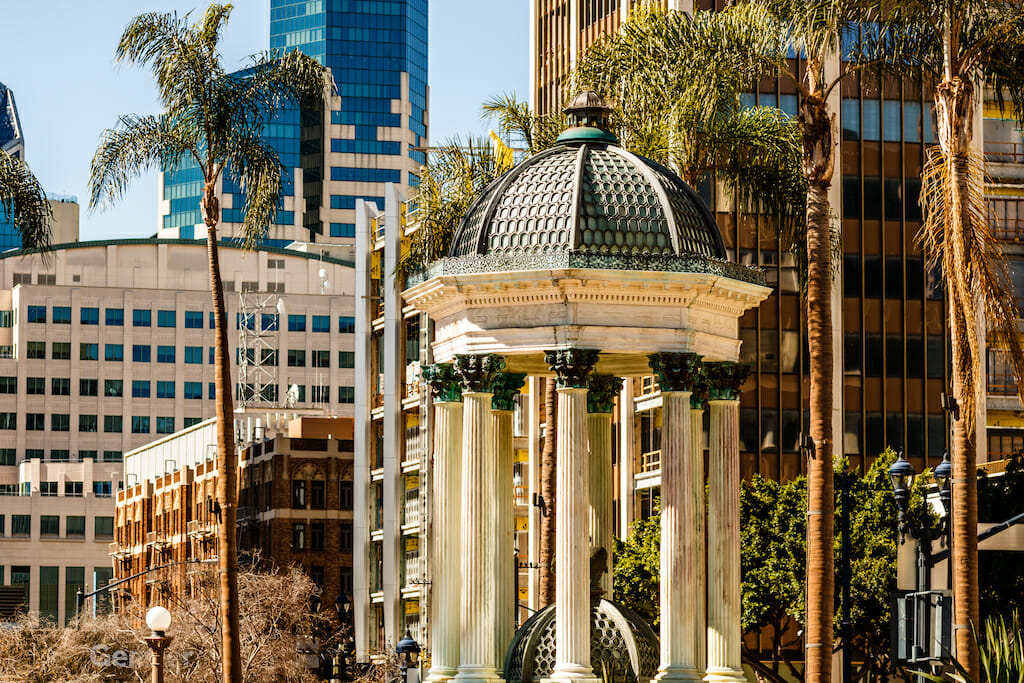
12,142
377,52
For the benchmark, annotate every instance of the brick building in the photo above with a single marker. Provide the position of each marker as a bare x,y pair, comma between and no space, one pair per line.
295,507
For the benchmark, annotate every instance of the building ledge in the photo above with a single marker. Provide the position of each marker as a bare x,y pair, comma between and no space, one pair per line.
646,480
377,535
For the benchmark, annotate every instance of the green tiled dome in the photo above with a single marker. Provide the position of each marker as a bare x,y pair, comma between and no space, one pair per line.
589,196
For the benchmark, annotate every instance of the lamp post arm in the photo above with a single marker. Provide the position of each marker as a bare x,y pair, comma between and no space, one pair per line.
987,533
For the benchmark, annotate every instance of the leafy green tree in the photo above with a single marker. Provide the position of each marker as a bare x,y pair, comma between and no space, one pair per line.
637,571
24,202
215,120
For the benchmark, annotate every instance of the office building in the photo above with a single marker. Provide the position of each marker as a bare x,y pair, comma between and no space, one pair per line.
373,133
295,506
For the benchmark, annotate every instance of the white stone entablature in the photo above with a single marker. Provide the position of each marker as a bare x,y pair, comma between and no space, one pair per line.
625,314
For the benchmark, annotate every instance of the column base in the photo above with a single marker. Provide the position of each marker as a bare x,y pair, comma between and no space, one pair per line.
724,675
555,678
438,675
574,673
477,674
679,674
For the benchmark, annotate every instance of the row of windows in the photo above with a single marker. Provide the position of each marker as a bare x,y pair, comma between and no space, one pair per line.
141,317
317,536
8,456
49,525
296,322
317,498
192,355
61,422
297,358
296,393
101,489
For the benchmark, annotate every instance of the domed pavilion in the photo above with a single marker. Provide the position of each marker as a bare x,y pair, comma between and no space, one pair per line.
587,263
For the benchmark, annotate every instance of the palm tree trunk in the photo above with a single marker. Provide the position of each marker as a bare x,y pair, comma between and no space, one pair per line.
954,107
227,470
548,482
818,164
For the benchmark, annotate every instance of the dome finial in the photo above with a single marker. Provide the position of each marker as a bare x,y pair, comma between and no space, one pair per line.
589,119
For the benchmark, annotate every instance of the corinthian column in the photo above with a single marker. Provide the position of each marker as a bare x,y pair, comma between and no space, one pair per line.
445,613
600,403
572,587
506,386
697,492
681,547
724,629
479,469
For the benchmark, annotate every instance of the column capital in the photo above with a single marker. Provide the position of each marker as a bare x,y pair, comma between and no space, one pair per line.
476,372
505,386
443,383
571,366
675,371
699,389
603,390
725,379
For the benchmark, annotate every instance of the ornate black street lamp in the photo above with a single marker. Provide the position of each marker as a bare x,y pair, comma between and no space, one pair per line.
409,653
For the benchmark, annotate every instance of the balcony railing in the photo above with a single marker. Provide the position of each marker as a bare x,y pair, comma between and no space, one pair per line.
1005,152
413,569
650,461
412,506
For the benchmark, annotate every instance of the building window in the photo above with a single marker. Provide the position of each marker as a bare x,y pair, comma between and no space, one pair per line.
74,525
113,352
114,316
269,322
299,494
296,359
102,489
103,527
345,542
298,536
84,455
165,425
35,385
140,388
61,351
21,525
35,422
62,315
87,387
87,423
316,536
164,389
49,525
193,390
321,323
142,318
320,394
346,324
49,580
7,457
8,385
346,495
74,581
296,323
112,423
194,355
88,351
166,319
60,422
211,390
141,353
60,455
193,320
36,314
346,359
89,316
113,456
189,421
35,350
346,395
74,489
165,354
317,495
8,420
321,359
47,488
140,424
60,386
113,387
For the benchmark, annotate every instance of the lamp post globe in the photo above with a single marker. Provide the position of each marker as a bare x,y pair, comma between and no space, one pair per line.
901,473
942,474
408,652
158,619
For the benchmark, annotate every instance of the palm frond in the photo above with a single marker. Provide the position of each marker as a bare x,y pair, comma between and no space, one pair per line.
24,202
272,81
972,265
136,145
258,169
520,125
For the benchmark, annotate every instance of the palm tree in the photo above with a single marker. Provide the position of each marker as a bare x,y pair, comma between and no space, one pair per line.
214,120
24,202
961,45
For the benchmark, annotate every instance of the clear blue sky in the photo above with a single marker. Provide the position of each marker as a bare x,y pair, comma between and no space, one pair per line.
57,56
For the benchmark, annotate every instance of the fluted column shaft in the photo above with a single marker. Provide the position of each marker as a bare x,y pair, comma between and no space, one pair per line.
476,656
724,630
599,474
446,617
572,589
504,545
697,493
680,592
